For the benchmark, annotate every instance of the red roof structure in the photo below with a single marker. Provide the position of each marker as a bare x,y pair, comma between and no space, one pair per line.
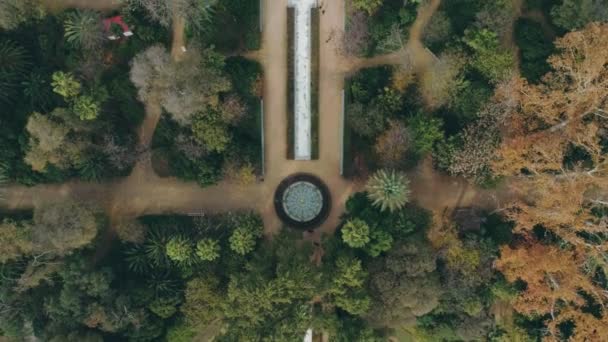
107,25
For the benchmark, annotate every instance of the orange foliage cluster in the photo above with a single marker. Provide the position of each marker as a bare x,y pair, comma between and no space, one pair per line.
550,114
568,108
554,280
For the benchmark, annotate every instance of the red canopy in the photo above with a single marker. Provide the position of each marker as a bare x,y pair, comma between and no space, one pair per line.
107,24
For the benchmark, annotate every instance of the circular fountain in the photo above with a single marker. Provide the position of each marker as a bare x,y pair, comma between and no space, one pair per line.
302,201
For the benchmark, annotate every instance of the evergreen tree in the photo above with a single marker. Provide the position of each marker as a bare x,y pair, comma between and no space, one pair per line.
355,233
14,61
388,190
83,30
208,249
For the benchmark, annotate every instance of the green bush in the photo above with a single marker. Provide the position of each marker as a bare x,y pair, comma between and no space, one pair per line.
535,49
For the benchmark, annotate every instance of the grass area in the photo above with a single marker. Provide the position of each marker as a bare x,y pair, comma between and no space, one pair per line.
314,82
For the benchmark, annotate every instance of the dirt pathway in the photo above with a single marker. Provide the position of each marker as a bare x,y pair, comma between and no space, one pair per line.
437,191
353,64
178,43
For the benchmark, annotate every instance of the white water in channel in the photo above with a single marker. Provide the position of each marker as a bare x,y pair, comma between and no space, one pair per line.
302,77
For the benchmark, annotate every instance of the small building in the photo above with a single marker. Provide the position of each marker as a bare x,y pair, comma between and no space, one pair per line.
110,25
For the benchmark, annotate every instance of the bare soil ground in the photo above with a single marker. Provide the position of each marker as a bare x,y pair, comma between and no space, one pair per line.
179,26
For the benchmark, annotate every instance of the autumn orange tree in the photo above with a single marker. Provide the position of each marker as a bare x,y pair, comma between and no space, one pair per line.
554,284
569,106
567,111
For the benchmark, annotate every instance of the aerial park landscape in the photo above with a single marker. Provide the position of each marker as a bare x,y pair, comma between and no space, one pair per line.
318,170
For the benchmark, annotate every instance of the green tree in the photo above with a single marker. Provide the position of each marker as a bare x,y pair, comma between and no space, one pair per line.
208,249
180,249
347,289
210,131
574,14
86,107
388,190
181,332
490,59
271,298
65,84
249,229
15,12
426,131
355,233
37,91
82,29
203,301
164,307
369,6
404,284
380,242
4,172
15,240
13,66
242,241
535,49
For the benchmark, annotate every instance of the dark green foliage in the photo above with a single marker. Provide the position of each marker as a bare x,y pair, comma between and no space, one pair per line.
491,60
235,26
199,151
13,64
393,17
426,132
535,48
404,284
470,100
271,299
4,172
92,169
368,83
399,224
37,90
574,14
461,13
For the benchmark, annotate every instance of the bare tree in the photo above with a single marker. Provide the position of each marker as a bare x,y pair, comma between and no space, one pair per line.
195,12
356,36
392,145
62,227
442,80
183,88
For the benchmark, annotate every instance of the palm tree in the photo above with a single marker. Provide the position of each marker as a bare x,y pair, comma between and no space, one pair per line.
37,91
14,61
388,190
82,29
4,178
